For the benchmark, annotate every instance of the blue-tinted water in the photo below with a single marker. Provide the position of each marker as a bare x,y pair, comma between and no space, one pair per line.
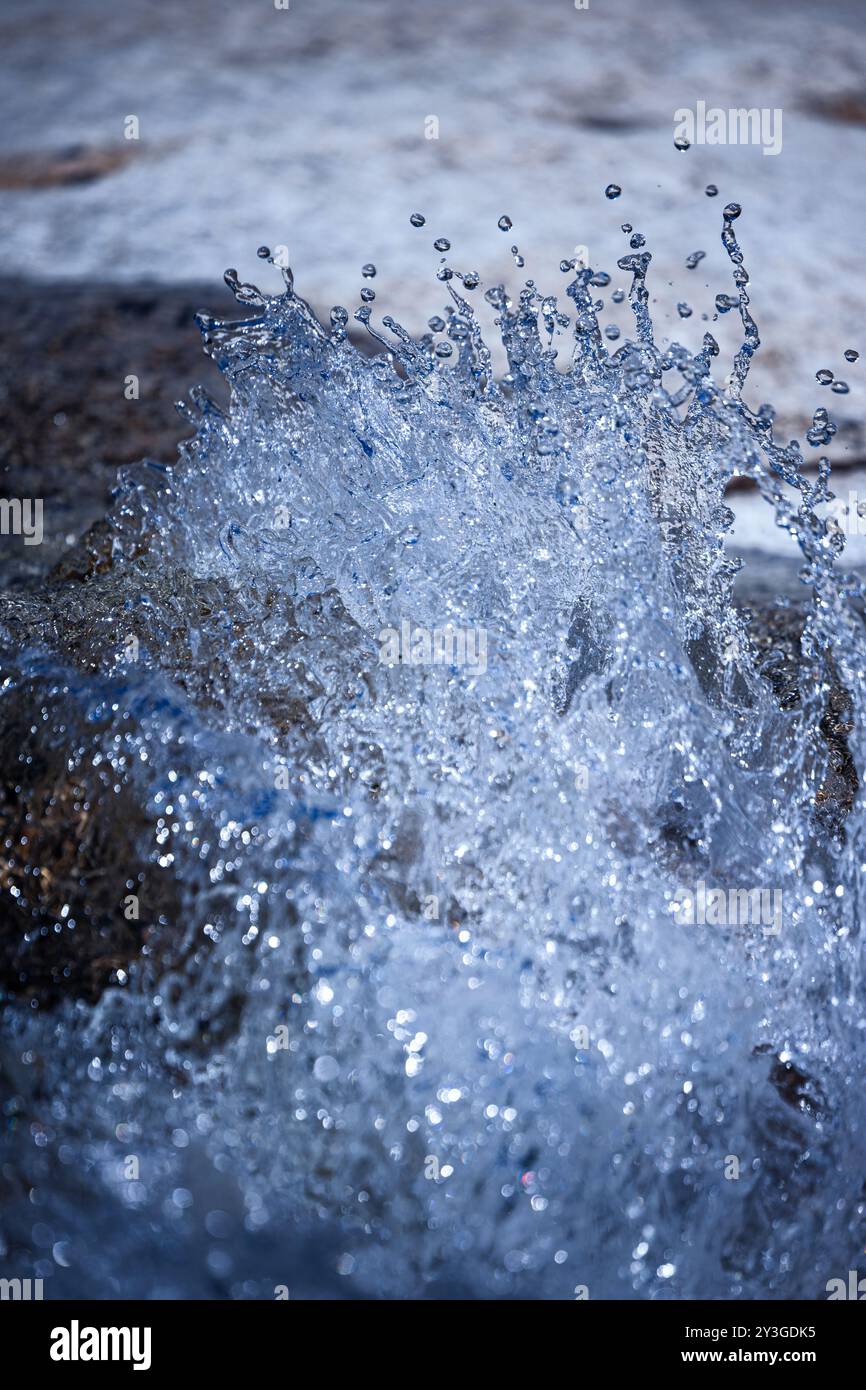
415,708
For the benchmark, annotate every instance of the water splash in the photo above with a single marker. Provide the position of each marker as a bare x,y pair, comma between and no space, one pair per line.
384,942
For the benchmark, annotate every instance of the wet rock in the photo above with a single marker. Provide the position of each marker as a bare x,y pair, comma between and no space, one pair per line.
71,828
777,632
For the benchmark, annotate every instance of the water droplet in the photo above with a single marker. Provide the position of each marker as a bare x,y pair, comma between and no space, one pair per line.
732,211
613,190
326,1068
684,310
822,430
840,387
824,376
471,280
851,354
694,259
711,190
417,219
681,143
263,253
368,271
367,294
505,224
442,244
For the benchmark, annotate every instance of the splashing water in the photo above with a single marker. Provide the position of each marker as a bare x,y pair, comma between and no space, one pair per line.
364,766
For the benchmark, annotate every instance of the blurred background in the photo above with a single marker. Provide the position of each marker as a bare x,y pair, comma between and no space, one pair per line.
145,147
